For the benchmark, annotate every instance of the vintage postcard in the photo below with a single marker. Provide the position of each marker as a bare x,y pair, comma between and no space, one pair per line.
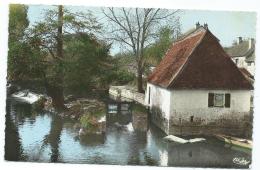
130,86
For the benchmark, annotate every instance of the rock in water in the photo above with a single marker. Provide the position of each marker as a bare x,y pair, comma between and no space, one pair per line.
81,131
196,140
129,127
173,138
102,119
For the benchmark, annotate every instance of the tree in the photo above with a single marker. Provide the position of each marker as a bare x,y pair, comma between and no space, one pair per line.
137,28
55,89
87,63
155,52
18,21
18,50
48,35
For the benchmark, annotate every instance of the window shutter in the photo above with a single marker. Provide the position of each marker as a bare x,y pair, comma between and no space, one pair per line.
211,100
227,100
149,95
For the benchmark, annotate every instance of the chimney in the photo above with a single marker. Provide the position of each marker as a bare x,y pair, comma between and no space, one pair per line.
197,25
239,40
251,43
205,26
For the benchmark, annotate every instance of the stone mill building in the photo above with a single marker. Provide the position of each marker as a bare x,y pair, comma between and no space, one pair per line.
198,89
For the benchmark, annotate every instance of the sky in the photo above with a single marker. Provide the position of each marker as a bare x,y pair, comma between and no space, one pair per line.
225,25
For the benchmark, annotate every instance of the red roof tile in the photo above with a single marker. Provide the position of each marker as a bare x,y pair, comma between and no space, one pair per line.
198,62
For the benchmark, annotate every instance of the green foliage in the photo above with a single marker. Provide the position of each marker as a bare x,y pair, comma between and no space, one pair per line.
24,60
90,120
18,50
33,52
154,53
122,77
124,70
87,63
85,121
18,21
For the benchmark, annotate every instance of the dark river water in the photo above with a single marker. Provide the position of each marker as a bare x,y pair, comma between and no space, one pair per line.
44,137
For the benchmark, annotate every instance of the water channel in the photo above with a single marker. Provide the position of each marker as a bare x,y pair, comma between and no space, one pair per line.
44,137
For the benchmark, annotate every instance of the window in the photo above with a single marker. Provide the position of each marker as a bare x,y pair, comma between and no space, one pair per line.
219,100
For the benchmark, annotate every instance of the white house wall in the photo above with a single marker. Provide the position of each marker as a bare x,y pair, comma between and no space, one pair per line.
186,100
175,108
159,97
160,101
241,63
187,103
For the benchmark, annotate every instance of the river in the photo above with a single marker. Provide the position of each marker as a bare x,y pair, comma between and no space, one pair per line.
44,137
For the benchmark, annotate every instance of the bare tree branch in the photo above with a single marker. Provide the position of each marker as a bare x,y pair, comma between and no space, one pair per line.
136,28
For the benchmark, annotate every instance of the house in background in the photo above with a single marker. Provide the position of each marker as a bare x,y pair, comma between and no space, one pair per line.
198,89
242,53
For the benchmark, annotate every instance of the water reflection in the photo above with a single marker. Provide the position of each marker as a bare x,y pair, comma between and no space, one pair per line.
53,138
47,138
13,148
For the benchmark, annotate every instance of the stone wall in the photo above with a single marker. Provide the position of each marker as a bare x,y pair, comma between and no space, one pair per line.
157,118
126,93
241,127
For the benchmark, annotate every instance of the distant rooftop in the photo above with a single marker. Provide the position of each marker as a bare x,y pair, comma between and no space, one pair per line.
242,48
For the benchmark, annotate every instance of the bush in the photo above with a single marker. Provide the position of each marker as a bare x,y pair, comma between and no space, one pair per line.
90,120
123,77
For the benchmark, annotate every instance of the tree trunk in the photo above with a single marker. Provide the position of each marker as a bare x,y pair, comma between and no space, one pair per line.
54,85
57,89
56,94
139,78
59,35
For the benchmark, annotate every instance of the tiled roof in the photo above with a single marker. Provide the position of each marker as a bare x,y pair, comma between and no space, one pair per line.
242,50
238,50
198,62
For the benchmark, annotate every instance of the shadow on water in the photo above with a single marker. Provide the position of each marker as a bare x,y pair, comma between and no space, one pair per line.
13,148
53,138
18,115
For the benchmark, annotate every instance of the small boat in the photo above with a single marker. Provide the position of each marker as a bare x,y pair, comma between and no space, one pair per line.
245,143
26,96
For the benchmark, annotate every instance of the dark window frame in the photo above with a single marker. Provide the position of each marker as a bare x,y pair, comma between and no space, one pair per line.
149,94
226,100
